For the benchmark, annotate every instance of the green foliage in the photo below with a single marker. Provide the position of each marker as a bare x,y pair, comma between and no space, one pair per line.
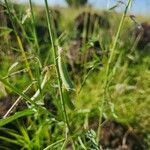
16,116
114,85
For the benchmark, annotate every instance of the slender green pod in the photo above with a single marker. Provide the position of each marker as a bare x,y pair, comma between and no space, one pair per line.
66,80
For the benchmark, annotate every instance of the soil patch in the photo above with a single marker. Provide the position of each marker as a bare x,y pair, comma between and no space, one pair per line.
116,136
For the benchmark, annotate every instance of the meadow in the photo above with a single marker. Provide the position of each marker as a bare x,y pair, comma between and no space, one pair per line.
73,78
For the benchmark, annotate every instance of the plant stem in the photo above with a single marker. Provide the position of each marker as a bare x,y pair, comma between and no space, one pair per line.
56,66
34,29
108,67
113,50
37,45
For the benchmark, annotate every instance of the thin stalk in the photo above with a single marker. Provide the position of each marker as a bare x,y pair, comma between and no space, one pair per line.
108,67
34,29
19,92
16,102
45,79
25,97
56,67
54,144
37,45
113,50
86,77
23,30
24,57
19,42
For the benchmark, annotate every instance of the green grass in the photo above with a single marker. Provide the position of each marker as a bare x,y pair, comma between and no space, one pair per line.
118,89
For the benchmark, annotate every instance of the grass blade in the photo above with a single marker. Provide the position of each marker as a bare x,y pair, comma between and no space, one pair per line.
17,115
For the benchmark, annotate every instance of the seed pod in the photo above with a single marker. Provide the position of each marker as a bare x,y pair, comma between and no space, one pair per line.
66,80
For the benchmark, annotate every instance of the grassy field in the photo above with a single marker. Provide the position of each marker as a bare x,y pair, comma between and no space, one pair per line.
51,99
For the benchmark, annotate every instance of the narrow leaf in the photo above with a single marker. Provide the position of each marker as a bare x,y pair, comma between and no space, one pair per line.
17,115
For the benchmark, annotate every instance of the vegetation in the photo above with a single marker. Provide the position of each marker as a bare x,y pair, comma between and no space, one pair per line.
48,99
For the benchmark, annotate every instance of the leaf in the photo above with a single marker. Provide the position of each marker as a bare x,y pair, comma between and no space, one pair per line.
17,115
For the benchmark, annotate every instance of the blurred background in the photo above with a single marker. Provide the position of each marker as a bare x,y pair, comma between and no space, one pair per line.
140,7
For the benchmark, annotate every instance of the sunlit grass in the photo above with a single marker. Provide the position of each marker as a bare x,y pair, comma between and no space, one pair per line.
118,89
